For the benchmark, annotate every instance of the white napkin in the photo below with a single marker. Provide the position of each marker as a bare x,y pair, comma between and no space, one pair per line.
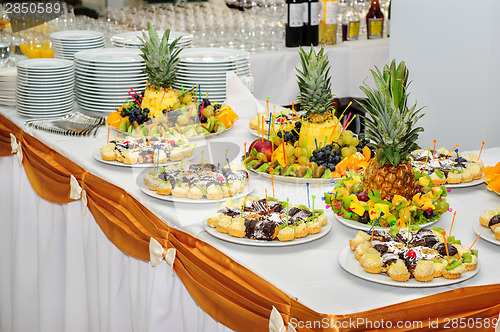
239,98
16,148
76,190
157,254
276,322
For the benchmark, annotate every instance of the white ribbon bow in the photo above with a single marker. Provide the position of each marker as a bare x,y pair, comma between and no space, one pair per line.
276,323
157,254
77,192
16,148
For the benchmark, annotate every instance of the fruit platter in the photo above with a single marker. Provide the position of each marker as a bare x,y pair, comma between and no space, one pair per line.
267,222
160,105
358,207
415,257
492,178
274,122
449,167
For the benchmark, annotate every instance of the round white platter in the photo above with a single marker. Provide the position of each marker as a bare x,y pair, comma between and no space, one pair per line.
360,226
486,233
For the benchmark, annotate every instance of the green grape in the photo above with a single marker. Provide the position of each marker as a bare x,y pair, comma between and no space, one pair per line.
303,160
262,156
355,141
346,152
353,149
289,151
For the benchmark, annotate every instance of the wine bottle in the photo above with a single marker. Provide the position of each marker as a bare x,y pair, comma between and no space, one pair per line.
294,23
311,21
350,23
328,22
375,21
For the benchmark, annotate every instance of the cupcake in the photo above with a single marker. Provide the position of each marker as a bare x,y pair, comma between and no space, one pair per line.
469,261
360,238
322,218
398,271
214,192
196,192
361,249
472,157
213,219
438,267
497,233
494,222
300,229
453,269
438,178
372,262
237,228
454,176
486,216
180,190
286,233
313,226
163,187
466,175
424,271
108,152
223,224
475,171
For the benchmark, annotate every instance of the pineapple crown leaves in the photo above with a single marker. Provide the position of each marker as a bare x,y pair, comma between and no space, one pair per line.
315,95
161,57
391,124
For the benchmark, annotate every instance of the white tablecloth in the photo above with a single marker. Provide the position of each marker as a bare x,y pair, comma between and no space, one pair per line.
274,72
56,260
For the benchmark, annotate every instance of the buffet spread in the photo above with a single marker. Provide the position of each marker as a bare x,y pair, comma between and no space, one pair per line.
396,195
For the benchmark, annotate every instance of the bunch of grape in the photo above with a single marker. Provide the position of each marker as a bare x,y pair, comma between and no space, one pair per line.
291,136
330,155
136,114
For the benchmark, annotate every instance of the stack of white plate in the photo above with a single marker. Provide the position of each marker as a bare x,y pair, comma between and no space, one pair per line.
131,40
67,43
44,87
104,77
208,67
8,77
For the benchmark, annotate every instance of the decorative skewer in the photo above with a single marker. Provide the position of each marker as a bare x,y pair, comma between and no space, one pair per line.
456,146
443,233
477,237
434,155
452,221
372,230
267,203
480,151
308,202
459,162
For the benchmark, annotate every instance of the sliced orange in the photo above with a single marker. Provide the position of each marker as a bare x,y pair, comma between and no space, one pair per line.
114,119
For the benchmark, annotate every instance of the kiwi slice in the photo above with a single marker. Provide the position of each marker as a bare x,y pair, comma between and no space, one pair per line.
303,207
452,265
466,257
474,252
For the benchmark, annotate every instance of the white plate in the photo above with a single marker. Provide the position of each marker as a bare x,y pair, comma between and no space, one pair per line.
76,35
464,184
45,90
93,71
116,75
45,116
111,81
246,191
291,179
110,56
97,156
350,264
107,108
212,55
111,88
84,91
357,225
44,64
261,243
486,233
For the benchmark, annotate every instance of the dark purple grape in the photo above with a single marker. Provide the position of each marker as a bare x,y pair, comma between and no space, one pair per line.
428,214
363,196
365,218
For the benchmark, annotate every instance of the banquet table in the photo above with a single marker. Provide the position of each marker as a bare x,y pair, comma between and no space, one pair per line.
61,268
274,71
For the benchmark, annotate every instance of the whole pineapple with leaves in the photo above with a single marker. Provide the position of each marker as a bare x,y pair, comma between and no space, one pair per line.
161,67
391,126
315,98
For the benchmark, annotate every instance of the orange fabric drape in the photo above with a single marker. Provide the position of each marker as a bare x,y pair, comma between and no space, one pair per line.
229,292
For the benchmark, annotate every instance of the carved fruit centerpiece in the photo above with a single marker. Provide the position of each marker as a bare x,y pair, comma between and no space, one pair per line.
391,127
316,99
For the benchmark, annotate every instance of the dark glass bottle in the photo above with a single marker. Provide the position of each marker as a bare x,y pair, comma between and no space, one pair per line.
389,20
311,22
294,23
375,21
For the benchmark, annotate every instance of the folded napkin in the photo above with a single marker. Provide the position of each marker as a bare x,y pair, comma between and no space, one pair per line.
239,97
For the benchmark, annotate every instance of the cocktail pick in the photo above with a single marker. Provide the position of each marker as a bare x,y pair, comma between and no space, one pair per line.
346,121
188,91
243,207
427,158
372,228
267,106
296,114
308,202
443,233
459,162
326,138
347,125
456,146
269,129
452,221
182,88
202,108
477,237
158,157
133,98
199,93
262,124
408,235
287,205
316,142
267,203
480,151
307,150
434,155
284,154
202,152
107,139
225,158
313,197
228,165
258,126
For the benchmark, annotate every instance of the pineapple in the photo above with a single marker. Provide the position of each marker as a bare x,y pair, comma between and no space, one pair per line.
161,62
316,99
391,127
